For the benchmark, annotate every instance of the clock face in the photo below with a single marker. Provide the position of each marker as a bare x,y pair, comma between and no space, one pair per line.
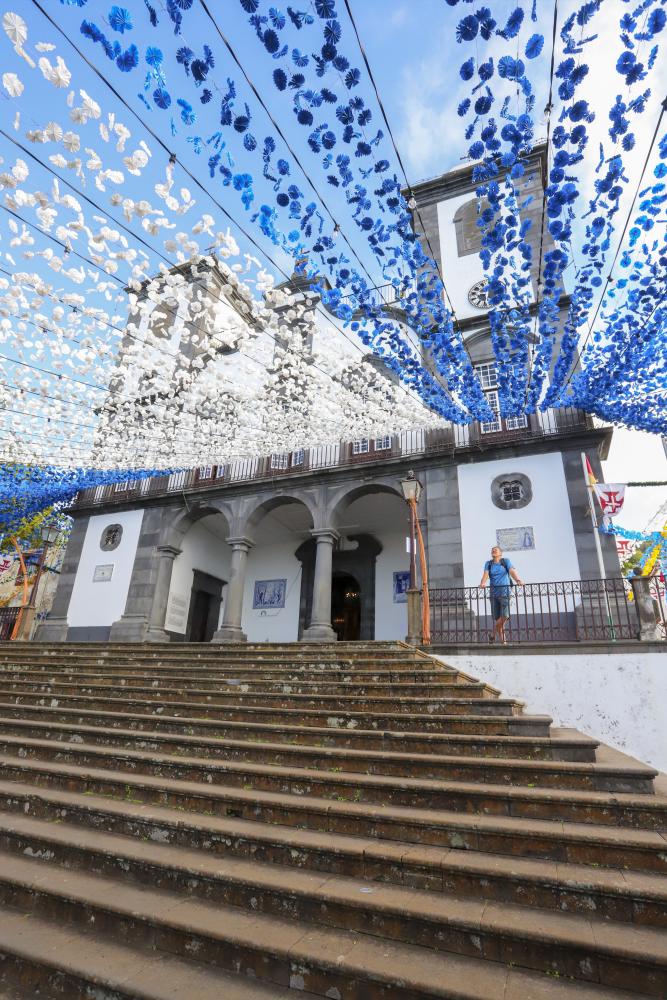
477,296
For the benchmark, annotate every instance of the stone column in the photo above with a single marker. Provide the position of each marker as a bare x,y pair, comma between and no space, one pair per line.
156,630
646,617
320,629
55,627
230,630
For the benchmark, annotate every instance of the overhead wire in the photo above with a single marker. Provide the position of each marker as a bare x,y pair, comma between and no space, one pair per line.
609,279
174,158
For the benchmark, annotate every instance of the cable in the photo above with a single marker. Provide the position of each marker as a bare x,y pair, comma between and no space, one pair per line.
400,161
149,247
283,137
194,179
618,248
549,110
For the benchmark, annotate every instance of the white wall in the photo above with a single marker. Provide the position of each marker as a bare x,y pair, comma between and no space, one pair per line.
548,513
202,550
103,602
391,620
618,698
273,562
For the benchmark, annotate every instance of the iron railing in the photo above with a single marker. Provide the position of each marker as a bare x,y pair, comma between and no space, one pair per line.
8,618
448,440
562,611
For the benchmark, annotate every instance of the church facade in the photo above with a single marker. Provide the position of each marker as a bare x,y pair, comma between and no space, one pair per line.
312,543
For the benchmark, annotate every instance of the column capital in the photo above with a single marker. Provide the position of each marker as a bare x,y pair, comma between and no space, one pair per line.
241,542
169,551
326,534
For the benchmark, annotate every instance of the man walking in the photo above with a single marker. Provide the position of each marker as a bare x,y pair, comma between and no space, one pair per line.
498,571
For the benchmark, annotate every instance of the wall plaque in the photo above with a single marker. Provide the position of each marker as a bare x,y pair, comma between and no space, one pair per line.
515,539
269,594
401,585
103,573
176,619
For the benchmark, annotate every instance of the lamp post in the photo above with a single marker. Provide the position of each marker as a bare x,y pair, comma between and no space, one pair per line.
418,623
49,535
412,490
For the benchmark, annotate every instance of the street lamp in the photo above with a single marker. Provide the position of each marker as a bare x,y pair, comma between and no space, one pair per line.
412,490
49,535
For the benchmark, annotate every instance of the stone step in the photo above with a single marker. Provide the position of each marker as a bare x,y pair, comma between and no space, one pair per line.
277,791
266,945
268,690
218,872
161,754
115,673
237,701
41,958
137,732
435,850
389,777
470,735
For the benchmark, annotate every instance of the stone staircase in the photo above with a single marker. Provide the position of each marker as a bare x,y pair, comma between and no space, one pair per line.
352,821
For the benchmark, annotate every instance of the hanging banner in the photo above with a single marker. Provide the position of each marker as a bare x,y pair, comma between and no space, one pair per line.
610,497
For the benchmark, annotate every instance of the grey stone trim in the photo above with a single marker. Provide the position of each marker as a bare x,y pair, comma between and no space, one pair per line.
89,633
584,538
55,628
444,544
574,648
133,624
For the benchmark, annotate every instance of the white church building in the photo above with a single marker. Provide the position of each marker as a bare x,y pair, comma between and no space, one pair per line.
312,543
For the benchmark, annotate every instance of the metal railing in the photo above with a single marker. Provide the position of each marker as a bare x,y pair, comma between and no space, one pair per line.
8,618
447,440
560,611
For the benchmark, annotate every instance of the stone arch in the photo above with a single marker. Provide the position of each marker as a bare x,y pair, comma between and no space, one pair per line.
257,507
343,497
178,522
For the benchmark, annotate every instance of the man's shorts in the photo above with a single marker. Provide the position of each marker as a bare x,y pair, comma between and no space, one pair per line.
500,605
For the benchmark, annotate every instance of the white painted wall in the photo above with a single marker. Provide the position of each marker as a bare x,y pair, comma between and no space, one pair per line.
273,562
548,513
619,698
391,620
103,602
202,550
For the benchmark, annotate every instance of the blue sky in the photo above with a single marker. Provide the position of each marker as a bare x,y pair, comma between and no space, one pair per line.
414,56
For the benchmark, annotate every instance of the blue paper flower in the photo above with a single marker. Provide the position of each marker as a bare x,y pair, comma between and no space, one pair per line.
534,46
325,8
271,41
513,26
250,6
154,56
277,18
352,78
120,19
467,29
299,59
332,32
162,98
467,69
280,79
127,60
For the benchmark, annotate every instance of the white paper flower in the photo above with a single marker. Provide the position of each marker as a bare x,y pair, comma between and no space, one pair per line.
71,142
12,84
53,132
59,75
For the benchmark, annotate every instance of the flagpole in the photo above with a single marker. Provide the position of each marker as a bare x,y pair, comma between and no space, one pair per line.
591,508
596,535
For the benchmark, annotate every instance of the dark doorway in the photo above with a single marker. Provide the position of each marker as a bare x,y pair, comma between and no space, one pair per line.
205,600
346,607
355,561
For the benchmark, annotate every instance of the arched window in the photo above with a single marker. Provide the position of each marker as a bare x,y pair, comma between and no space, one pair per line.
468,233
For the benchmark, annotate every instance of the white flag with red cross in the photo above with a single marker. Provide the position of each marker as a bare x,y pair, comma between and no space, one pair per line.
610,497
